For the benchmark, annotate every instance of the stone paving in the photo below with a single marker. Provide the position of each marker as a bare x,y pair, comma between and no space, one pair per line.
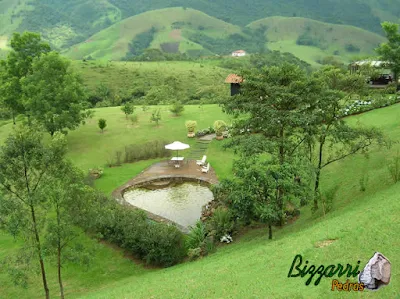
166,169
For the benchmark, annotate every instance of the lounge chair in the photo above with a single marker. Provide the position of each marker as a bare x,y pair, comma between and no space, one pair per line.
205,168
202,161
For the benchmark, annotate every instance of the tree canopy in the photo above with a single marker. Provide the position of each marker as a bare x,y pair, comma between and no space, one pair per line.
53,94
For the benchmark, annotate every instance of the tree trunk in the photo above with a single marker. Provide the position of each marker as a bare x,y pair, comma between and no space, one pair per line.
59,271
269,231
318,172
13,117
280,191
39,251
59,252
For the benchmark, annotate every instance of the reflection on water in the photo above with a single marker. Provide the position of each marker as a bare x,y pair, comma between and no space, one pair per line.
181,204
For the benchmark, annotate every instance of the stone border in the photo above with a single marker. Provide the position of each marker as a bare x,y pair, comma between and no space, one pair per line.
118,193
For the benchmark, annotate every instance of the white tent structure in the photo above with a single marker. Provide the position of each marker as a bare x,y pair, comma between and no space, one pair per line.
177,146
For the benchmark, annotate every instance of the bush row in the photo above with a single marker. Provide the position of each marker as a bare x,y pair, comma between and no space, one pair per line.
359,106
155,243
137,152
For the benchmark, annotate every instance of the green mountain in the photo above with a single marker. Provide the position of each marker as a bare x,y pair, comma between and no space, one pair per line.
193,32
312,41
171,27
67,22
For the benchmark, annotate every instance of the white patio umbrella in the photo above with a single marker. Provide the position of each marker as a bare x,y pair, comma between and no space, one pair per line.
177,146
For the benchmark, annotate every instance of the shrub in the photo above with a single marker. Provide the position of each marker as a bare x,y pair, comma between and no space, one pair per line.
96,172
128,109
156,243
177,108
327,198
191,125
152,149
102,124
196,236
220,223
162,245
156,116
194,253
219,127
394,168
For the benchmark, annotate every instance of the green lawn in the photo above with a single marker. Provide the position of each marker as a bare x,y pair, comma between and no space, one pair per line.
253,266
193,78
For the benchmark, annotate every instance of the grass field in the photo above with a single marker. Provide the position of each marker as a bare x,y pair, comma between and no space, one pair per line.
252,267
125,76
282,34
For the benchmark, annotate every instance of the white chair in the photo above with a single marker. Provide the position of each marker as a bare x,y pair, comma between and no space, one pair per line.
205,168
202,161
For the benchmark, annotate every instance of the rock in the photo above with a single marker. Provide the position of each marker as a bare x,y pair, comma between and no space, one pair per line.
376,273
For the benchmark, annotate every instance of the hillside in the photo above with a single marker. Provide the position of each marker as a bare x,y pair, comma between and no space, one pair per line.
361,223
312,40
192,32
171,26
66,22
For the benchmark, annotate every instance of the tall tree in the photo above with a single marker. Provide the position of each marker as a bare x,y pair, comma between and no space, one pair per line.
274,102
54,94
330,138
390,51
25,48
64,190
25,166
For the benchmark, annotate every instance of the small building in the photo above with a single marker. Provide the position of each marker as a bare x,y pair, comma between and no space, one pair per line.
377,64
234,80
239,53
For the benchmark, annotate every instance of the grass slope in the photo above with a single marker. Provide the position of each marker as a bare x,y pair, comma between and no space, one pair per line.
254,267
251,267
283,32
112,43
125,76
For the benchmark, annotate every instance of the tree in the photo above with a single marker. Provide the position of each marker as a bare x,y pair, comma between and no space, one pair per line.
102,124
26,164
128,109
54,94
177,108
253,193
25,48
156,116
274,103
64,190
328,132
390,51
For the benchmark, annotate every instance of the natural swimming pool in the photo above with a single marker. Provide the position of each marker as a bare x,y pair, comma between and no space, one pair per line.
181,203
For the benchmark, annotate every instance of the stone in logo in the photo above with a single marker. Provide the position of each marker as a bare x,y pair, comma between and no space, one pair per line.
376,273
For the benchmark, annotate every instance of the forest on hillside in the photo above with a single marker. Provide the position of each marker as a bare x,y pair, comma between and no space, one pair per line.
77,20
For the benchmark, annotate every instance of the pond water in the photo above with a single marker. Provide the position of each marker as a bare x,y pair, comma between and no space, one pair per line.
181,204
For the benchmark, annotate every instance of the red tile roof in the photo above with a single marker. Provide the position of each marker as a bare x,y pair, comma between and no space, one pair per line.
233,78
